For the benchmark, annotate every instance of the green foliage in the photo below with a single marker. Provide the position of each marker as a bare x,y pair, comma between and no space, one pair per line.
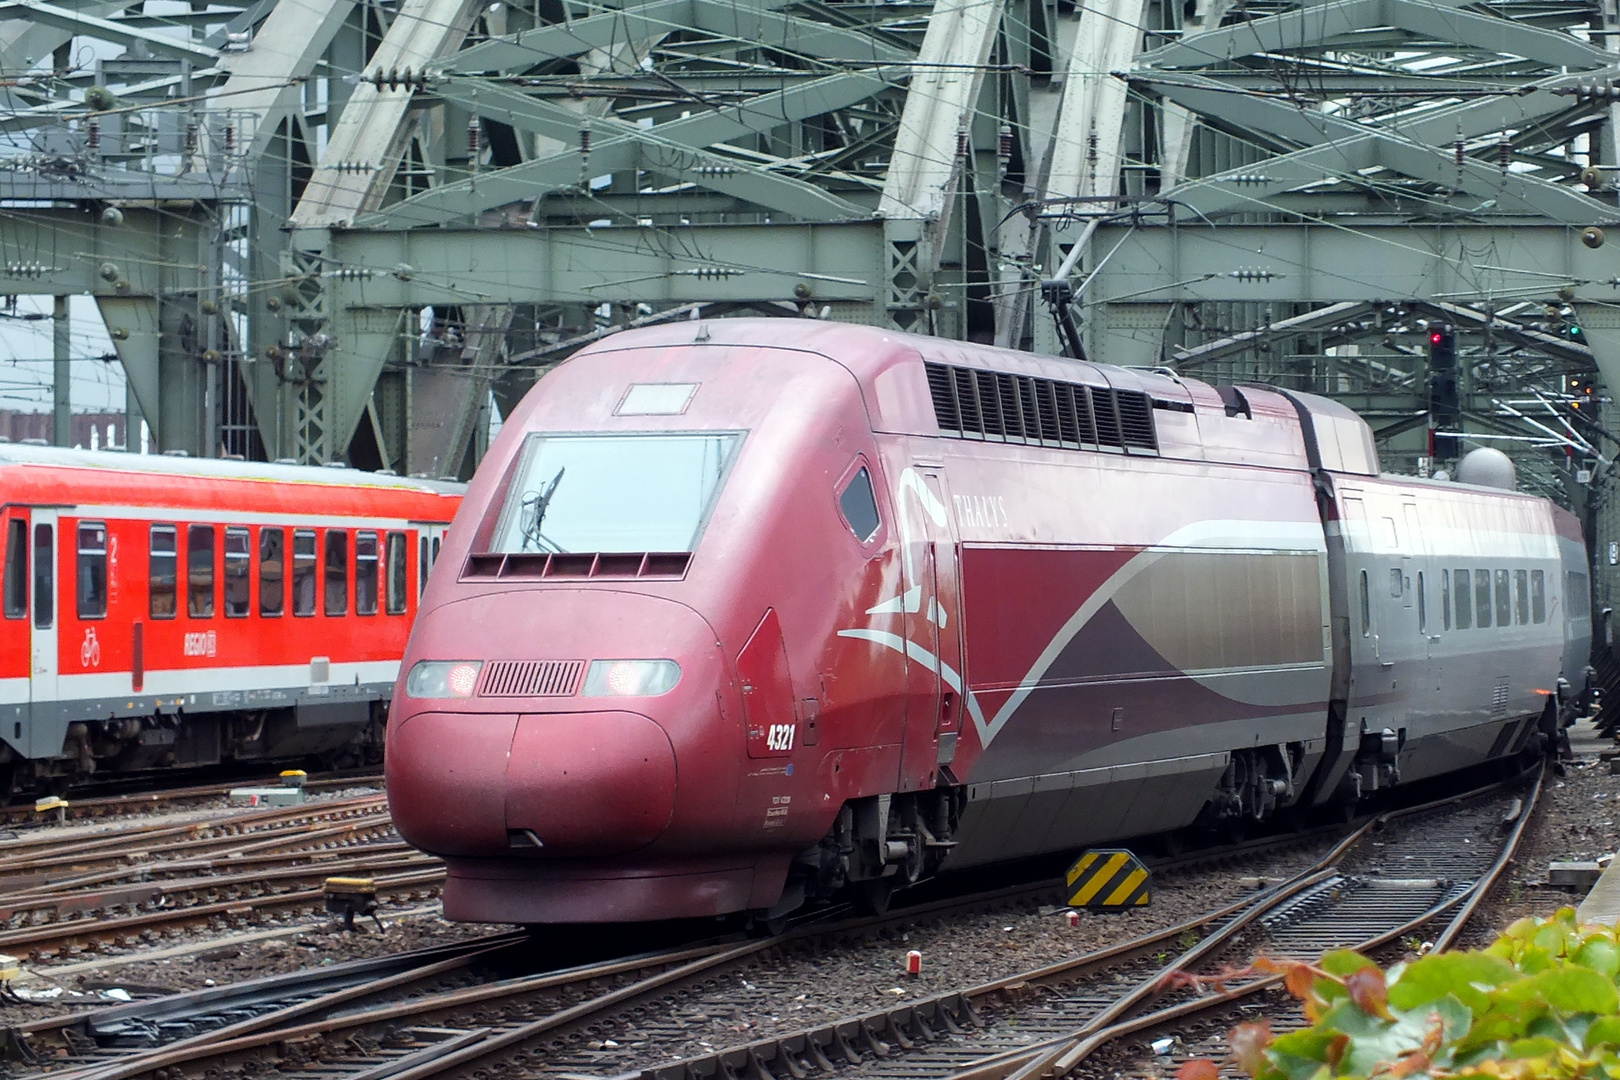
1541,1003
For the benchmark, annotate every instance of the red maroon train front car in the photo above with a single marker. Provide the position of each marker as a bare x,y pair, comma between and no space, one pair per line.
622,647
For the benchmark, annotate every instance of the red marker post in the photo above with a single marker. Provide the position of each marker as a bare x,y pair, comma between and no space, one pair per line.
913,963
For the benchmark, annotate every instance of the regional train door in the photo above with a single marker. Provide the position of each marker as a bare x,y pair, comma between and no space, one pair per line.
431,539
43,616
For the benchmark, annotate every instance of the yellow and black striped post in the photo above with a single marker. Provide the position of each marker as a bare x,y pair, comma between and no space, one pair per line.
1109,878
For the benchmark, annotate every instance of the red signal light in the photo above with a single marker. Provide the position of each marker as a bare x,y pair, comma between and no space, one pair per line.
1436,338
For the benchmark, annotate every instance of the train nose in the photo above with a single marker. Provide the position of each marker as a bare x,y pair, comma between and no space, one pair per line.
560,785
597,783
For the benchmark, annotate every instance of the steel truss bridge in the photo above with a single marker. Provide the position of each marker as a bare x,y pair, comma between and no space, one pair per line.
334,229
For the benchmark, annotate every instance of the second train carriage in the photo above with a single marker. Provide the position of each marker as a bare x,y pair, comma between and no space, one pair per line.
161,612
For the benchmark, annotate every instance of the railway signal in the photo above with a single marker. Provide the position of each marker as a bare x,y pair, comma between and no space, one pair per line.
1445,402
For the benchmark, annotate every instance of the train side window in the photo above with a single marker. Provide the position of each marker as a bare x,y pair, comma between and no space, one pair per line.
1465,613
337,572
1395,581
1482,598
1366,607
200,571
272,572
398,574
1504,600
44,576
1423,606
91,571
161,580
238,568
859,505
365,573
1538,595
1445,598
422,568
17,569
1521,596
303,571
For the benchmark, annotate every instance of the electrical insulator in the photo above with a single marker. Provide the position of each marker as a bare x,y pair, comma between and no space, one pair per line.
1504,154
1004,145
961,142
230,138
472,139
585,141
1457,151
191,137
92,135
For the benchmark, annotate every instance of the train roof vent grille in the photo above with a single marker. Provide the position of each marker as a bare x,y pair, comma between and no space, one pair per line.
971,403
531,678
575,566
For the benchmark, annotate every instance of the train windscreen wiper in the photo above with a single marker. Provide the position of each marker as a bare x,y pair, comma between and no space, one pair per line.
535,505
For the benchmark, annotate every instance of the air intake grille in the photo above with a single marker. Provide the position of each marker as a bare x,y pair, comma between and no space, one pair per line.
531,678
971,403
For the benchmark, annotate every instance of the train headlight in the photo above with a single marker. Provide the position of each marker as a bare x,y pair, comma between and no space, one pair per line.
443,678
631,678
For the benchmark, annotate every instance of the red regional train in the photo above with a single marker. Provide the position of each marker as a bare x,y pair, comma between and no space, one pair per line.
740,613
160,612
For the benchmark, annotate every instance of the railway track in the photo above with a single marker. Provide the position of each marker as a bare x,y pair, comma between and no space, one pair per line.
136,885
88,806
448,1015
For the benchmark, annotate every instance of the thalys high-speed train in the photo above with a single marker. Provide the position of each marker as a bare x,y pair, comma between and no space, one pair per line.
739,613
160,612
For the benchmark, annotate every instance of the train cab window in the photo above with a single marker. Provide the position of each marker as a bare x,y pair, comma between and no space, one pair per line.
272,572
303,571
1504,600
1423,606
1366,607
200,571
337,572
161,578
1445,598
859,506
44,576
1538,596
1482,598
1521,596
365,573
1465,611
90,573
398,574
238,567
17,569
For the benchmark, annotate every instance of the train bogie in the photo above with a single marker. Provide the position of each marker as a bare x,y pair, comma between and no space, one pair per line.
731,620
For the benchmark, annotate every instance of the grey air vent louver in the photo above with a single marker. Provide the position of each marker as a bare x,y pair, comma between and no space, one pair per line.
970,403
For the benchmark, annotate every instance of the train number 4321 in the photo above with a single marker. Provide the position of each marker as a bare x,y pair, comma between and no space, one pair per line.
780,736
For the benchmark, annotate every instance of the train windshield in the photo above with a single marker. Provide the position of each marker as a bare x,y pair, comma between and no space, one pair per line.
613,493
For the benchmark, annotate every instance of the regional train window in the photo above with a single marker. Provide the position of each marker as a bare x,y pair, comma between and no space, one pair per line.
44,576
1366,607
337,572
1423,607
422,568
1465,616
303,571
365,573
91,572
860,505
238,566
272,572
200,571
398,573
1538,596
1482,598
1395,581
1504,600
17,569
1445,598
1521,596
161,578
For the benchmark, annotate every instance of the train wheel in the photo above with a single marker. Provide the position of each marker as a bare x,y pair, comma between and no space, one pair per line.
872,897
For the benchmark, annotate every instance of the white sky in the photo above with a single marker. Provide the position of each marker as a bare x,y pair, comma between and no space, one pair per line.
26,348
